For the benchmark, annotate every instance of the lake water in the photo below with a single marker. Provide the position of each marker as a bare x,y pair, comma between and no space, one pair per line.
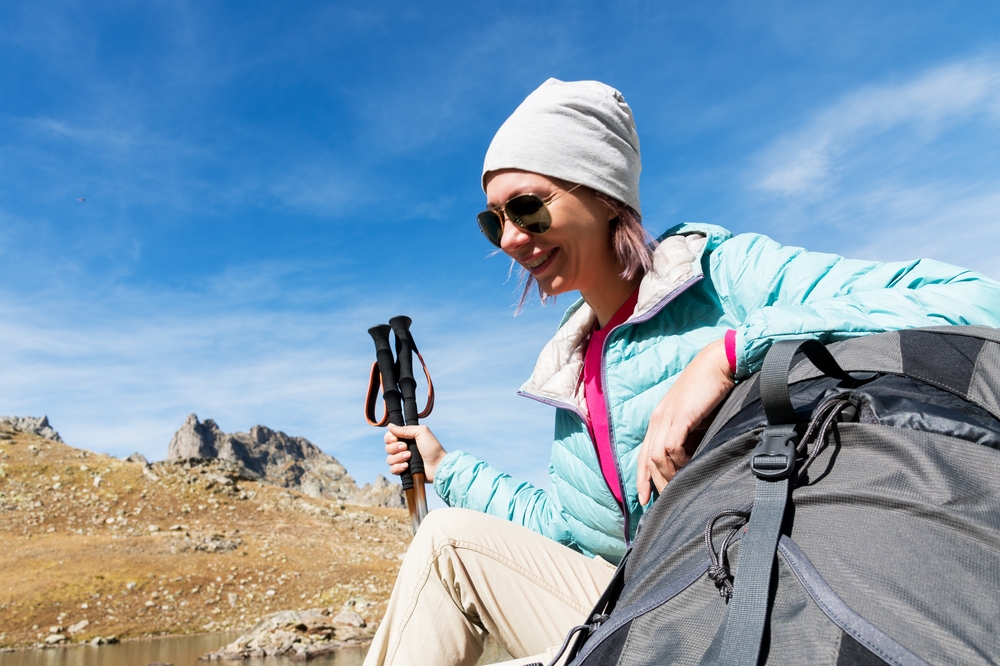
176,650
183,651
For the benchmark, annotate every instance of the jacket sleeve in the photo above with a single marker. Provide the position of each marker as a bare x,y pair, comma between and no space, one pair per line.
778,292
464,481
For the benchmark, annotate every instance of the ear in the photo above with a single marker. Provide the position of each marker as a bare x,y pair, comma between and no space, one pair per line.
611,212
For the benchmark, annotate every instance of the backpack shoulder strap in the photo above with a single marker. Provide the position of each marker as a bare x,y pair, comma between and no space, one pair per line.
773,463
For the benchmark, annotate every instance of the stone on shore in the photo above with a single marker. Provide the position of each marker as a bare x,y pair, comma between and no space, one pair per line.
349,618
77,627
299,635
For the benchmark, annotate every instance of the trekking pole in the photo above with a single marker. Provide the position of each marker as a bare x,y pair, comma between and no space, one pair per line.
405,348
394,376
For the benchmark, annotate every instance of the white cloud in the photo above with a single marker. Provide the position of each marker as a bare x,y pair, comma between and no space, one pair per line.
119,374
892,172
807,161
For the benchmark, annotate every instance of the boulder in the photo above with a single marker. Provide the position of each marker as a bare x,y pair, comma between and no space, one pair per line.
297,635
349,618
138,458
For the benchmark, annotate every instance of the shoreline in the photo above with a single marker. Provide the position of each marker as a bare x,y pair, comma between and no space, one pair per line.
118,641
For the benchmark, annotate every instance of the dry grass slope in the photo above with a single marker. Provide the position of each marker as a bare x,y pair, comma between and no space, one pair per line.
173,549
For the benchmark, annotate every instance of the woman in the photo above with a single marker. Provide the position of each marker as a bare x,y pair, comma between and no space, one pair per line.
655,343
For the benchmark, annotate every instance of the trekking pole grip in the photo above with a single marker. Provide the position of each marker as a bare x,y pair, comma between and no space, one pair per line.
407,384
390,390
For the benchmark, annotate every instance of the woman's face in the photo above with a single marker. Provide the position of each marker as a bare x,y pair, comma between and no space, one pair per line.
575,254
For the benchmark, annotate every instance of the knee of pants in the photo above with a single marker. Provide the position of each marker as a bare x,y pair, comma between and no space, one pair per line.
445,524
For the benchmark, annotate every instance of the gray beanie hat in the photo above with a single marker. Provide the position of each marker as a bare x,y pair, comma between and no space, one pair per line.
580,131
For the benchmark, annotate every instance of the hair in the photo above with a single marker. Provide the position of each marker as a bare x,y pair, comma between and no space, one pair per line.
632,244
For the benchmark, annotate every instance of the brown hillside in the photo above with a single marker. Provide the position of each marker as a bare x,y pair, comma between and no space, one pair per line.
174,548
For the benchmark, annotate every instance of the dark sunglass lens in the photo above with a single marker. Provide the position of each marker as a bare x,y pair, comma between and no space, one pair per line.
491,226
528,211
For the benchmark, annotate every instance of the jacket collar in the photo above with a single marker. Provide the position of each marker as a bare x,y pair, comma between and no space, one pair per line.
676,265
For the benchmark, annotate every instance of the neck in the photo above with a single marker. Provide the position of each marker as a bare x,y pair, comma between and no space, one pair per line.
609,297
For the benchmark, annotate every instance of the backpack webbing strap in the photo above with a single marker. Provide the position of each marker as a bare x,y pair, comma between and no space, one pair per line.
747,611
772,462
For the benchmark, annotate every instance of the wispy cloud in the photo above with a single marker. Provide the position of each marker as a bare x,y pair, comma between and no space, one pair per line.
950,222
120,374
809,159
892,171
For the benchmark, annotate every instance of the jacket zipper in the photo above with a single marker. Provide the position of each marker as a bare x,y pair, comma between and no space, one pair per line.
607,403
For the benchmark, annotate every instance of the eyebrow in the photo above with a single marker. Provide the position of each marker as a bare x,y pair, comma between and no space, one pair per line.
496,206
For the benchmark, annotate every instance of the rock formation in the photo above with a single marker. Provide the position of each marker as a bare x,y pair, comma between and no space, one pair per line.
300,635
32,424
274,457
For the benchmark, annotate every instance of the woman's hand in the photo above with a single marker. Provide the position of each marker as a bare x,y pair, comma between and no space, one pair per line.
428,445
669,443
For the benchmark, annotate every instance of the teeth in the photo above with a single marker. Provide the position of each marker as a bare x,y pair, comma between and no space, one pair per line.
534,263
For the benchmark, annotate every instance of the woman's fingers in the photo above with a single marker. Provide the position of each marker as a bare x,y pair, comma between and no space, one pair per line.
659,479
431,451
397,454
642,474
662,454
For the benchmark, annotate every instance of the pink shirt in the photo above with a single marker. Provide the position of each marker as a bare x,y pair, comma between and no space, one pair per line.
594,391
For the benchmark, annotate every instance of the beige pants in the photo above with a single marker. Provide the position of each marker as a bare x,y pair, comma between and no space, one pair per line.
468,574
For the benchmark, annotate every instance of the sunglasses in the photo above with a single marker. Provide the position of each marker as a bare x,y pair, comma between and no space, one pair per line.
528,212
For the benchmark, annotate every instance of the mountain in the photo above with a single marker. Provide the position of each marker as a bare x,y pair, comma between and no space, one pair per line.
274,457
96,546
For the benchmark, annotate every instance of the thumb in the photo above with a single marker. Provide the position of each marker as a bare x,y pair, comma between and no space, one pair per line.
642,481
404,432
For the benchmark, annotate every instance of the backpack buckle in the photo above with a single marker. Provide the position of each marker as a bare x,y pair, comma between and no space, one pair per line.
774,455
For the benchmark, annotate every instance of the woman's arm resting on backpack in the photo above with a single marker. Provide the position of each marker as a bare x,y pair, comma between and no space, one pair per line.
782,292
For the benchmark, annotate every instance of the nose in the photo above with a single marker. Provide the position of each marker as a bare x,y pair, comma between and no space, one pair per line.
513,238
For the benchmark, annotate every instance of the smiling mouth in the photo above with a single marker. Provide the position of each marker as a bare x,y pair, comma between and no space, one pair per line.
538,261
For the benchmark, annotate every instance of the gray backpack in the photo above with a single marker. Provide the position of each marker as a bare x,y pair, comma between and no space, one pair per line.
842,509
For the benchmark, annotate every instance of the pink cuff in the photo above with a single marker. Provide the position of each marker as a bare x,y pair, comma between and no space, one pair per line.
731,350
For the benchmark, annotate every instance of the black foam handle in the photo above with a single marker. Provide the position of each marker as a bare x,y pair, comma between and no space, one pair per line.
407,384
390,391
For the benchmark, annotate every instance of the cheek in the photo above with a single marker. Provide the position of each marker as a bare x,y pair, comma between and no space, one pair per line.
596,245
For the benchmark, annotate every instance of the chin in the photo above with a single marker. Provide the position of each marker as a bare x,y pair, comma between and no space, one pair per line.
550,289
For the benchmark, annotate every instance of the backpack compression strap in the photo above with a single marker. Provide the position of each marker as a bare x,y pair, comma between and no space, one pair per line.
773,463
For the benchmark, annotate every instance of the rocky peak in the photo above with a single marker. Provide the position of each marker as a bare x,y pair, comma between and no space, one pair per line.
195,440
38,425
274,457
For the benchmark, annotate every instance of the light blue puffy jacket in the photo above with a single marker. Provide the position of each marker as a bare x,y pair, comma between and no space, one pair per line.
705,281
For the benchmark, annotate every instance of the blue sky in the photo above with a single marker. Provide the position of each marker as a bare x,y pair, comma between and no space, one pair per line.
265,181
